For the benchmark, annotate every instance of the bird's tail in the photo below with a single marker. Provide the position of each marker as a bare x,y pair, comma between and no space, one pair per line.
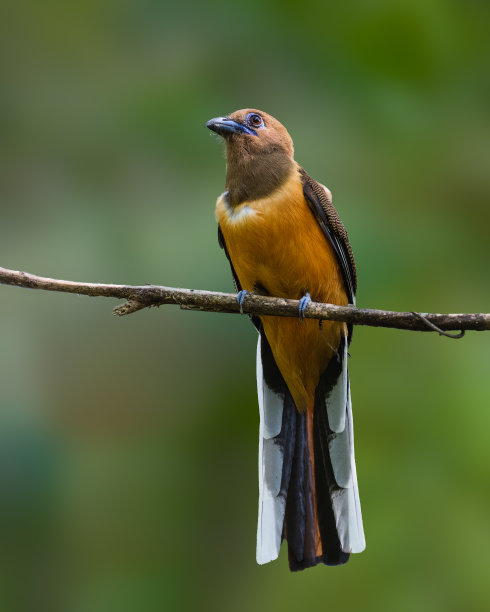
308,491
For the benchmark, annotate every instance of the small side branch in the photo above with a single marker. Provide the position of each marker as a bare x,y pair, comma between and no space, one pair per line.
144,296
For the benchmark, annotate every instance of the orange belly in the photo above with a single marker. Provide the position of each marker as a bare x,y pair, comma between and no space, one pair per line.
276,243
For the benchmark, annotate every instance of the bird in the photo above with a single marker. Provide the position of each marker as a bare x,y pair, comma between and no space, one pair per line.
283,238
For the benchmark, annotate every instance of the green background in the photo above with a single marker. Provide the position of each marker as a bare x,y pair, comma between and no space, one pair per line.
128,447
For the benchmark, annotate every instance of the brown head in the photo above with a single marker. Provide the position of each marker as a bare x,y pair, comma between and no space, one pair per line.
259,153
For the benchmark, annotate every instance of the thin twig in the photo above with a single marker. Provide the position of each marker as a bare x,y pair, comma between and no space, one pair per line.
457,336
139,297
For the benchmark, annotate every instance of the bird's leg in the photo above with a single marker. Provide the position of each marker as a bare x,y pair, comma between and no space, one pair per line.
303,303
258,289
241,295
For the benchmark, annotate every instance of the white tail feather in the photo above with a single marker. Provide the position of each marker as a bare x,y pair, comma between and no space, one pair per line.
346,504
271,505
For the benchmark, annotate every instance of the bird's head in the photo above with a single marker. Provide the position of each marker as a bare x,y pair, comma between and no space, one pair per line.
259,152
253,131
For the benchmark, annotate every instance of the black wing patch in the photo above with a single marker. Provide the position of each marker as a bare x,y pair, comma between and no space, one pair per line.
331,225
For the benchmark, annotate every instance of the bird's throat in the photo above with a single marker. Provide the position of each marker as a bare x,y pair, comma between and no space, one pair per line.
250,177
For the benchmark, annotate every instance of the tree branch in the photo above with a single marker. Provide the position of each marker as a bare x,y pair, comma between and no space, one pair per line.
139,297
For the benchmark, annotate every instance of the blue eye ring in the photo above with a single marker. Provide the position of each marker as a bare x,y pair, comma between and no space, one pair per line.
254,120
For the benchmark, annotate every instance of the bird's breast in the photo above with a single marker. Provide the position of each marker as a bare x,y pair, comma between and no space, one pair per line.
275,243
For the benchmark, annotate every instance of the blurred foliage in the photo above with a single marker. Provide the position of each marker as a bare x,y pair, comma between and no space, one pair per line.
128,447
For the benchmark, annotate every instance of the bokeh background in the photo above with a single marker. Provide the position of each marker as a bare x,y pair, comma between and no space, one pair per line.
128,447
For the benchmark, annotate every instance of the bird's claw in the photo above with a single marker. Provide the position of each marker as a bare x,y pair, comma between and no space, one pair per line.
303,303
241,295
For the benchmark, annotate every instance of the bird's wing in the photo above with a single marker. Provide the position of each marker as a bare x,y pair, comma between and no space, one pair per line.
320,203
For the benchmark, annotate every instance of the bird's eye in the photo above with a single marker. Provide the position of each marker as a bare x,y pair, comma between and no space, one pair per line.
255,120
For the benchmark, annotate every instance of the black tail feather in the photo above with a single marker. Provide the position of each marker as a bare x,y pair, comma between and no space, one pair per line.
300,494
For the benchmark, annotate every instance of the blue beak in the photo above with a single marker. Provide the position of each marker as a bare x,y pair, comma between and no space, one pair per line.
224,126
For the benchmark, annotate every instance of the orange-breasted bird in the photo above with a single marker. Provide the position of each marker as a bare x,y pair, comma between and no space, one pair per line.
284,238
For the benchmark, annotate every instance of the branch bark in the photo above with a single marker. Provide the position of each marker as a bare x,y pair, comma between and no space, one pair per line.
144,296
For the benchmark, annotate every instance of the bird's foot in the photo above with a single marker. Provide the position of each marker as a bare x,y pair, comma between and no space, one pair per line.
241,295
303,303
